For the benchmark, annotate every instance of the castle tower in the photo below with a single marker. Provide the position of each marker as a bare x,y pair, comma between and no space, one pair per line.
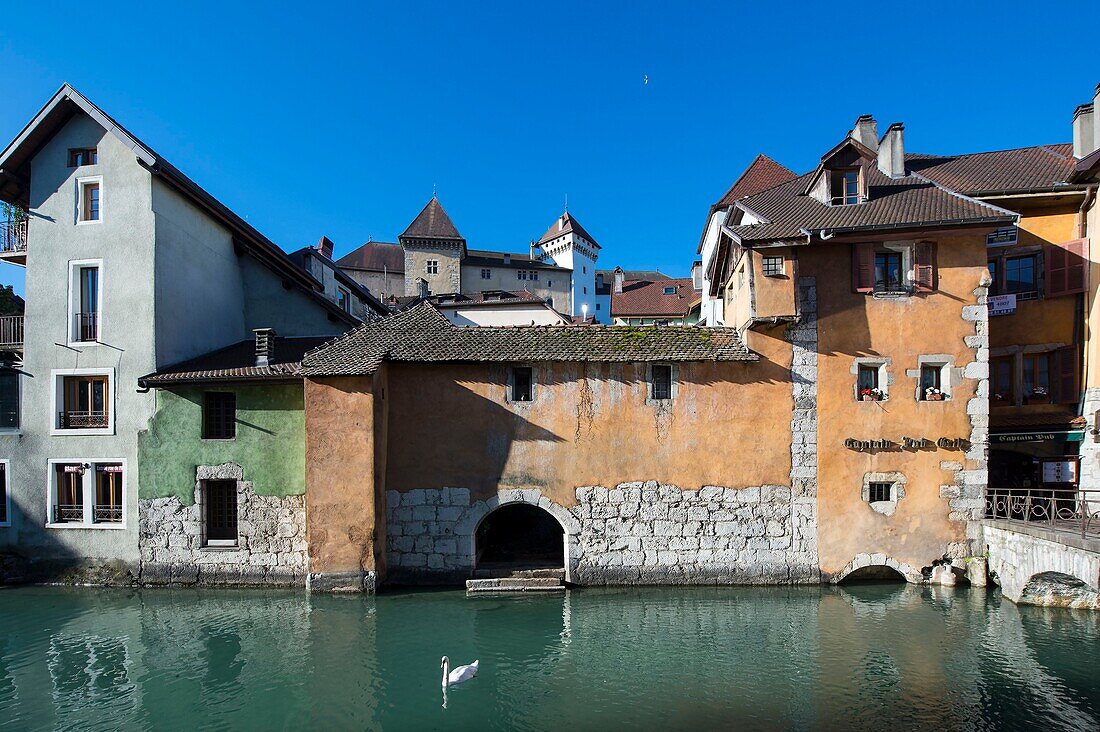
433,251
567,244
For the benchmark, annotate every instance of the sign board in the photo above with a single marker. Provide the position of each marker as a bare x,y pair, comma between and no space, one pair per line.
74,468
1005,236
110,468
1060,470
1001,305
1010,437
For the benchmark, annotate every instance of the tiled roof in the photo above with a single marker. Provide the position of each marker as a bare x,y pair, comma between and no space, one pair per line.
423,334
237,363
487,258
375,256
1038,168
493,297
562,226
898,203
432,223
634,274
642,297
763,173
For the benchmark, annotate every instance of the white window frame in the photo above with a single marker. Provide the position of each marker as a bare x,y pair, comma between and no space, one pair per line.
946,364
80,183
346,307
6,486
75,265
486,274
19,403
89,493
57,397
882,364
431,266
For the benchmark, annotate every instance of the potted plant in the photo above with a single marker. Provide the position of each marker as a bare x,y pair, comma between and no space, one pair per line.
872,394
932,394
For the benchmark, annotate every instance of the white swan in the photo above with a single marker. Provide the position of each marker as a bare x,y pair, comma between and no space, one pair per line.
460,674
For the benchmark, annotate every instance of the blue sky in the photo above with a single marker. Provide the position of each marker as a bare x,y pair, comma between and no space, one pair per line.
339,120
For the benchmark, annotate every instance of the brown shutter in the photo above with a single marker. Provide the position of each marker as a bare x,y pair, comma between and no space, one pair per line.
925,274
1066,364
863,267
1066,267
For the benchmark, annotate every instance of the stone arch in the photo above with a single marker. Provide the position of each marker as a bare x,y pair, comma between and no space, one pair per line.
910,573
1059,589
466,528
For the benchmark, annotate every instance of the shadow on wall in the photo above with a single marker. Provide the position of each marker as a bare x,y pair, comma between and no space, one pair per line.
49,559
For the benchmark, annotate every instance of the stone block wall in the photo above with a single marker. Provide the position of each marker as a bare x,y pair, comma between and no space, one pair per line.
271,544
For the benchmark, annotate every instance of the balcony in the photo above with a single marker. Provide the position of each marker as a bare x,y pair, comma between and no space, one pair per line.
11,332
86,327
82,420
107,514
13,241
68,513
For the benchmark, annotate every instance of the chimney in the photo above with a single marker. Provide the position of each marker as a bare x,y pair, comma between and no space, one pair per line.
532,249
697,275
422,287
891,153
1086,138
619,277
265,345
866,132
325,246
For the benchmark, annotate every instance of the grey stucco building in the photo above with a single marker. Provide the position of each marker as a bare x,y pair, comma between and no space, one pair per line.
130,266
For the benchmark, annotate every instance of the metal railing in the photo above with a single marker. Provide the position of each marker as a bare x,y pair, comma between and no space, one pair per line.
1064,508
68,513
87,327
70,420
13,236
11,330
107,514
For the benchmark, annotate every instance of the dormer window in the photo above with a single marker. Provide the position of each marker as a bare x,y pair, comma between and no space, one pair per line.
845,188
670,290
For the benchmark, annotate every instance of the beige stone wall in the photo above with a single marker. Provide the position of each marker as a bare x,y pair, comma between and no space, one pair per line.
449,276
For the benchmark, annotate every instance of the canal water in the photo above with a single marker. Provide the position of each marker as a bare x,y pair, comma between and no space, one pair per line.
863,657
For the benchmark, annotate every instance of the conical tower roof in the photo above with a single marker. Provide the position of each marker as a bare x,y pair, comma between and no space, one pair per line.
432,223
563,225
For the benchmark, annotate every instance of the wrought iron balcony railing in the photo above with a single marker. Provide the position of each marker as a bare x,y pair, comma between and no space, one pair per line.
13,236
107,514
11,331
68,513
1068,508
87,327
71,420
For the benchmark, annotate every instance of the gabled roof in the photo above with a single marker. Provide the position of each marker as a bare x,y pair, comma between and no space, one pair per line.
68,102
763,173
645,298
375,256
423,334
1023,170
432,223
563,225
301,257
237,363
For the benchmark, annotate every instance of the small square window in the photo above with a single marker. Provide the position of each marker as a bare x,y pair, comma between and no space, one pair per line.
83,156
220,512
431,266
486,274
880,492
773,266
522,384
661,381
219,415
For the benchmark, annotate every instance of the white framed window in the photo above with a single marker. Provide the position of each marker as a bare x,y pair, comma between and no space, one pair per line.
343,299
82,402
431,266
872,380
5,493
486,274
89,200
934,378
86,493
882,491
85,301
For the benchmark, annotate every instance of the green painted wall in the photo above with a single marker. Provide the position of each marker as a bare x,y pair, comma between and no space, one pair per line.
270,442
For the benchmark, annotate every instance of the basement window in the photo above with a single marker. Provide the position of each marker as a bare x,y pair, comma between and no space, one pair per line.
523,384
219,415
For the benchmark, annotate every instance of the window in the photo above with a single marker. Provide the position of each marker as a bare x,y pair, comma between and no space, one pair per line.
343,299
1001,372
431,266
597,306
773,266
1037,378
933,386
5,492
220,512
888,272
89,200
1021,275
534,274
661,381
880,492
994,278
522,384
584,270
85,402
486,274
845,187
670,290
82,156
521,274
871,382
87,493
584,290
9,400
219,415
85,294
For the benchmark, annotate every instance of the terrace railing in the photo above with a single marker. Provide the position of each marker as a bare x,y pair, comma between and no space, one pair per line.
1076,509
13,236
66,513
107,514
11,331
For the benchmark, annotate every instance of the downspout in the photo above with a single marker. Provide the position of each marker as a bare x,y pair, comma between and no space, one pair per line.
1082,232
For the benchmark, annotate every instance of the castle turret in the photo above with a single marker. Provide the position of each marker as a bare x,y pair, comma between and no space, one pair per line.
433,251
567,244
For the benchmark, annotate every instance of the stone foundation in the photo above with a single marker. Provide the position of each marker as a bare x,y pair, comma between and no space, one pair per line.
271,544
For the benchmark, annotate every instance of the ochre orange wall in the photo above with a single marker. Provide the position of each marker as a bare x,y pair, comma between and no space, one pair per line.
852,325
774,295
451,426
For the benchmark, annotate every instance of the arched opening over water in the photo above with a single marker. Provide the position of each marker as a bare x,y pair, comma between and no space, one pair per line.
1056,589
519,536
873,573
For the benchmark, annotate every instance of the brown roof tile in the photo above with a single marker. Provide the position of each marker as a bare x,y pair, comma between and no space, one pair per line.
763,173
643,297
237,363
375,256
1037,168
562,226
423,334
432,223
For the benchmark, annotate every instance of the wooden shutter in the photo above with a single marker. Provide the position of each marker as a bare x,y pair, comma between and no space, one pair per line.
1066,364
863,267
1066,267
924,267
